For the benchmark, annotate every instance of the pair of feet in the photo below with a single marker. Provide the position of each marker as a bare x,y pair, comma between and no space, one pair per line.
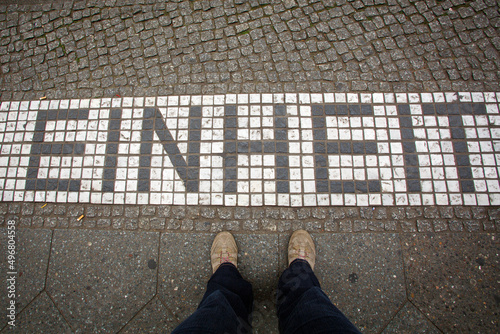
224,249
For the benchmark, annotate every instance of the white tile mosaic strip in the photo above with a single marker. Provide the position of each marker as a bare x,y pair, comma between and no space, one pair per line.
254,149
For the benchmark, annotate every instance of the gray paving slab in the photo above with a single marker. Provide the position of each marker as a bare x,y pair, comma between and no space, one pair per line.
41,316
181,287
31,266
363,275
258,263
410,320
356,271
153,318
101,279
453,279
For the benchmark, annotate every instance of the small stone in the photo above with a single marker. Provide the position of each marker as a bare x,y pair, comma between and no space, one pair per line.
489,226
413,212
284,226
173,224
463,212
104,211
91,212
380,213
366,213
225,213
37,221
287,213
337,213
131,212
397,213
117,210
14,208
440,225
202,226
163,211
446,212
297,225
359,225
268,224
455,226
352,213
313,226
144,223
407,226
62,222
273,213
207,212
75,211
187,225
45,211
233,225
117,223
104,222
303,213
390,225
59,209
217,227
3,208
157,223
258,213
472,226
25,222
319,213
178,212
374,225
148,210
27,209
251,225
424,225
89,223
193,212
331,226
345,226
131,224
479,213
242,213
431,212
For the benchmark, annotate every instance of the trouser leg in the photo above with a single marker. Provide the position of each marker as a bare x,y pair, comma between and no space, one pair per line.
303,307
226,306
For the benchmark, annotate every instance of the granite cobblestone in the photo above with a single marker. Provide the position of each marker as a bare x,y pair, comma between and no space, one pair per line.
319,219
101,48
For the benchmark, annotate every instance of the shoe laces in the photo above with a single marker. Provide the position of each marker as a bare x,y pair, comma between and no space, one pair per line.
302,252
224,255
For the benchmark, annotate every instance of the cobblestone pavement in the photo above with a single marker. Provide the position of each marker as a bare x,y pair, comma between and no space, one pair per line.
147,48
405,216
253,219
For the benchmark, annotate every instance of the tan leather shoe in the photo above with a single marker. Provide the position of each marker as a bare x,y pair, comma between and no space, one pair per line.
224,249
301,246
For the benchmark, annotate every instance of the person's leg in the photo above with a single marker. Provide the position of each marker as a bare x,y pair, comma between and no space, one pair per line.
225,307
302,306
227,304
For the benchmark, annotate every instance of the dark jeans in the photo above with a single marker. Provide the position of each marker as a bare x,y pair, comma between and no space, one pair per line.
302,306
